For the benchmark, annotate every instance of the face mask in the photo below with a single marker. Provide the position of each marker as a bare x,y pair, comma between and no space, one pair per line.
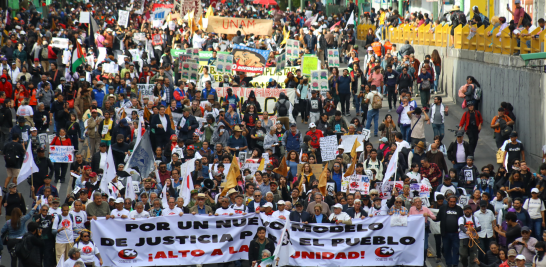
504,206
540,254
62,136
3,80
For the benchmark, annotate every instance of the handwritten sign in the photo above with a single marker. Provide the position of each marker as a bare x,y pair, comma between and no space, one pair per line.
347,142
309,63
225,172
232,25
123,18
328,147
61,154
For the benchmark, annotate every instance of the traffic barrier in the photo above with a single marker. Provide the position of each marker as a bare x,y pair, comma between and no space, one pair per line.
483,39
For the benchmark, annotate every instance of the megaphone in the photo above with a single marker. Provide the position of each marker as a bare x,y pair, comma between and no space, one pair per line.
208,184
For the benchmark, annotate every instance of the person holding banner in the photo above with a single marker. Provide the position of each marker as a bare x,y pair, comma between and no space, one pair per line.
258,245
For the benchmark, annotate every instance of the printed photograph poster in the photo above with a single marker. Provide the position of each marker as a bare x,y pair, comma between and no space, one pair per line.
333,58
248,59
319,80
61,154
156,39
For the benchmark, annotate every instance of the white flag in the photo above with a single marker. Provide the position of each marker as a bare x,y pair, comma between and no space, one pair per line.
391,168
61,261
351,20
187,182
29,166
284,248
109,173
139,130
129,189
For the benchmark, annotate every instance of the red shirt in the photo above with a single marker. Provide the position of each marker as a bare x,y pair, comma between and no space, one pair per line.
315,138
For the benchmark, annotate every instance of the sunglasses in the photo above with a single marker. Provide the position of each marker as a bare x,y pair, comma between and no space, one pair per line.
398,202
257,195
85,236
373,194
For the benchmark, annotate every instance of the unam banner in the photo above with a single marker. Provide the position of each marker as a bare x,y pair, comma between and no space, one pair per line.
200,239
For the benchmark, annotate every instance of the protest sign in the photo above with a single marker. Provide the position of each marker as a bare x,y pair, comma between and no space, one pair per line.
259,81
139,36
225,172
248,59
356,183
385,190
333,58
230,25
123,18
292,48
84,17
309,63
328,147
201,239
366,134
280,62
61,43
253,167
347,141
146,90
224,62
156,39
319,80
315,168
61,154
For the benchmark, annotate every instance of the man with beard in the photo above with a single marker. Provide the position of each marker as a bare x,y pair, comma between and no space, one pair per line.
378,208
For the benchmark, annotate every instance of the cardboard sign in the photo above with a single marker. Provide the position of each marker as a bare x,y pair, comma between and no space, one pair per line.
61,154
232,25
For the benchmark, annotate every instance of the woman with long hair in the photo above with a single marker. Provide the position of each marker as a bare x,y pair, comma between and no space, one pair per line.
515,186
332,81
370,37
60,168
471,85
15,228
437,62
388,128
358,125
306,177
91,251
292,161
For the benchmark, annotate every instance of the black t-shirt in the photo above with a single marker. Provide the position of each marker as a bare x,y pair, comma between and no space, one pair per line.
452,220
512,233
514,151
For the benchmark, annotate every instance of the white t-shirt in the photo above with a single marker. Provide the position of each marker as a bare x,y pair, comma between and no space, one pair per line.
79,220
118,213
87,251
224,212
534,207
370,96
55,211
135,215
171,212
25,111
463,235
414,176
342,216
279,213
67,235
239,209
404,143
71,262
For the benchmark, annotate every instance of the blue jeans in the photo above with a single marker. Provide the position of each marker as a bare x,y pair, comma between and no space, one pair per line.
356,103
406,132
536,225
451,248
437,70
438,130
373,113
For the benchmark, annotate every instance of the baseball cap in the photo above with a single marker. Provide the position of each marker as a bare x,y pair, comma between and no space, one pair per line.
312,125
520,257
514,134
517,2
280,202
467,207
535,190
483,203
33,129
201,195
293,125
338,206
512,252
460,133
525,229
55,199
191,147
118,200
268,204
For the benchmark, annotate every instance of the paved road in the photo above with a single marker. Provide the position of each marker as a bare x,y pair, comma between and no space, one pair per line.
485,154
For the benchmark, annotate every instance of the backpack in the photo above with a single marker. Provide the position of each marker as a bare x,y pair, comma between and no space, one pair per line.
377,102
22,249
44,52
11,156
461,18
283,111
477,93
59,217
526,18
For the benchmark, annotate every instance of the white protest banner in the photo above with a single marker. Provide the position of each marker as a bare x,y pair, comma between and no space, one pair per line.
123,18
347,141
328,147
174,240
61,154
146,90
368,242
59,42
84,17
199,239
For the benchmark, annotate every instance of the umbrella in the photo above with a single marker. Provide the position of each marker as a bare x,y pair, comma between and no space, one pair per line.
265,2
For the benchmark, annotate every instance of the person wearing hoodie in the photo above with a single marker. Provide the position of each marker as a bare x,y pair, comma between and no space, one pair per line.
119,149
282,107
220,135
6,86
123,129
322,124
252,100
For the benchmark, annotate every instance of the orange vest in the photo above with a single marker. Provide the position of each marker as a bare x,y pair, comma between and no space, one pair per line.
376,46
388,46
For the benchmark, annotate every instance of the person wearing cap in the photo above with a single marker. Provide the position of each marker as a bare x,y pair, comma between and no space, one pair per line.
468,251
488,222
98,93
535,208
457,152
239,207
93,131
468,175
472,122
518,14
299,215
281,212
200,207
338,216
510,259
225,209
119,212
315,135
525,244
448,216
